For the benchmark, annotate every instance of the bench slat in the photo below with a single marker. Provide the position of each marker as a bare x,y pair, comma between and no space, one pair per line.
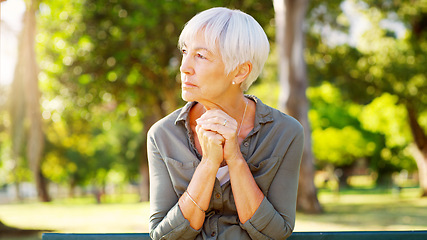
97,236
355,235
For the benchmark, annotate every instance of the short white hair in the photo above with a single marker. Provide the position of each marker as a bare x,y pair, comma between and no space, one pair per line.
237,35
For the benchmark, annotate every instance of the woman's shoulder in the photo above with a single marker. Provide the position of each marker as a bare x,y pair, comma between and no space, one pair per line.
285,119
165,124
278,118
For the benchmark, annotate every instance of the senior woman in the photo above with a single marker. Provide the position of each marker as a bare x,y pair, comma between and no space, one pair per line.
225,166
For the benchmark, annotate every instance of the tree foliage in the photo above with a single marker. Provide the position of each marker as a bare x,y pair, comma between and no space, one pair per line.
384,67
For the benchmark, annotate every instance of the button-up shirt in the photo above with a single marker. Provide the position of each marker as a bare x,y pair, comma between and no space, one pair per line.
272,150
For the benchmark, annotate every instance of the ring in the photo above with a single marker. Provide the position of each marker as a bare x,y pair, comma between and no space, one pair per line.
225,122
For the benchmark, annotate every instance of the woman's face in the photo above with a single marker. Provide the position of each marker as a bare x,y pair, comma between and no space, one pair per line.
203,75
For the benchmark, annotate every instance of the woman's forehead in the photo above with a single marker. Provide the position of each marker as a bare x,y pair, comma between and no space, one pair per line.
198,42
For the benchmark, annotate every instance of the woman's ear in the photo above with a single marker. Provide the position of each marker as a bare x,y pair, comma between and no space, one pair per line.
243,71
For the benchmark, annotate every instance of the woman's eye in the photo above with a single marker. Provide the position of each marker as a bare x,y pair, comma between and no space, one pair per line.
183,51
200,56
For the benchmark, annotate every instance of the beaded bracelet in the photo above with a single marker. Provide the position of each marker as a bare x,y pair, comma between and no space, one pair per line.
194,202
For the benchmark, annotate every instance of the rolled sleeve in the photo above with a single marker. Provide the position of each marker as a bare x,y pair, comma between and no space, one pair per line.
266,220
174,226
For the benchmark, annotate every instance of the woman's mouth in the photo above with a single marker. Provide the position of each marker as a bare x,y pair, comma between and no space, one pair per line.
188,85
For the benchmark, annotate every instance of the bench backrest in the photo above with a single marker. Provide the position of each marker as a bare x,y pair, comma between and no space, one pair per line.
374,235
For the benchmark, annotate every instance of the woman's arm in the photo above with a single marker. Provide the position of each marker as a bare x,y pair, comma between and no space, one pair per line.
275,216
182,218
246,192
199,191
166,218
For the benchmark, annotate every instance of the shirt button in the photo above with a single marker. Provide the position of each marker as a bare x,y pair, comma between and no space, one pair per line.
246,144
213,234
217,195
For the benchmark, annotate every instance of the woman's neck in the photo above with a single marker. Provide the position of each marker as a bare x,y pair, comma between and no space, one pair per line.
233,107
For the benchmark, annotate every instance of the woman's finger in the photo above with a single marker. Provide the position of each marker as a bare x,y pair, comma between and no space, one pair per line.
222,121
218,128
206,135
218,121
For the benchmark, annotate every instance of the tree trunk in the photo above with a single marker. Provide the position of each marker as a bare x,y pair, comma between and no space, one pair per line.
27,79
41,185
97,193
419,148
17,115
72,188
145,183
421,159
16,104
290,16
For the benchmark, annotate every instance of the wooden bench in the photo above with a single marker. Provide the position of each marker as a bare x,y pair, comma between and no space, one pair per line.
356,235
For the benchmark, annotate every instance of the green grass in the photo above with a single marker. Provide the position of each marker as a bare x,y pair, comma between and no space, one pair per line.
369,210
351,210
130,217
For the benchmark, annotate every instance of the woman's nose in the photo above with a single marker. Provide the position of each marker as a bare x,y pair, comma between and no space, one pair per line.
186,65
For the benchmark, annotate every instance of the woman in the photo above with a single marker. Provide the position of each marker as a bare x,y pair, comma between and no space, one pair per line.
225,165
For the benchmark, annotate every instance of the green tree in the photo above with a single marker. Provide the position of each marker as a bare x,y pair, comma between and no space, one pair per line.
344,131
337,134
380,62
387,117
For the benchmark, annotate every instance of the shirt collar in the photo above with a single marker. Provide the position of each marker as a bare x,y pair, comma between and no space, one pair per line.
185,111
263,112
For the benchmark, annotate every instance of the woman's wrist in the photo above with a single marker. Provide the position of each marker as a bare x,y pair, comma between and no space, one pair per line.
236,162
210,165
194,201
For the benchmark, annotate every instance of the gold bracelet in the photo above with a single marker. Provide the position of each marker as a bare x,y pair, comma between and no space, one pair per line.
194,202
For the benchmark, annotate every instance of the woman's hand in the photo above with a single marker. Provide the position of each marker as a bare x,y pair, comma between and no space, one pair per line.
211,144
247,195
219,122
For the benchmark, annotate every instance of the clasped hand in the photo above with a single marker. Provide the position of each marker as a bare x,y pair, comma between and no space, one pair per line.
217,134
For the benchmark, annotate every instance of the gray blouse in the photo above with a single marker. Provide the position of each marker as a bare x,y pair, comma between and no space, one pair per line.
273,152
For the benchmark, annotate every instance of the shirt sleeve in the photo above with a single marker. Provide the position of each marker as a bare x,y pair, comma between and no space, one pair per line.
166,218
275,217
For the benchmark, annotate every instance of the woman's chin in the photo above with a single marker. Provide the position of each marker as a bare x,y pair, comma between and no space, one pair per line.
188,97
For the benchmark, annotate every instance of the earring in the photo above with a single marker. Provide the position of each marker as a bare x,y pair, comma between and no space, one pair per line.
233,83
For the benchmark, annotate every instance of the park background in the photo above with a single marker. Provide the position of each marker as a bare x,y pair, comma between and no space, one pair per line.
82,81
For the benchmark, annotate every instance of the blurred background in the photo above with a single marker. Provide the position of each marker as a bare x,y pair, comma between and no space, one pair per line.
82,81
